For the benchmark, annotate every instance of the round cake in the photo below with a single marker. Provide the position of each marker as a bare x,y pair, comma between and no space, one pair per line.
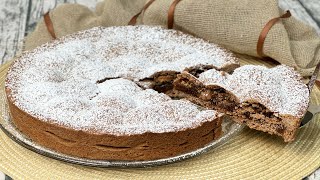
104,93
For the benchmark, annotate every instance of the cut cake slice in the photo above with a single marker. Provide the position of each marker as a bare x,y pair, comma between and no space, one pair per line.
271,100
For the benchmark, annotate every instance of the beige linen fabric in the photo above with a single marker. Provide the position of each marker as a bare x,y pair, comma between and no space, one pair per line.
70,18
234,24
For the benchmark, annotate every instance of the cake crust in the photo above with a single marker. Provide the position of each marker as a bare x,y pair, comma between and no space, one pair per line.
146,146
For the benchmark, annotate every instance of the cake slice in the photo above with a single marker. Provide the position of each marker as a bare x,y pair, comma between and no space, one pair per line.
271,100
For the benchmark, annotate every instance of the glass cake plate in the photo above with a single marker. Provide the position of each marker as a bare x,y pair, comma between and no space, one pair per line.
230,129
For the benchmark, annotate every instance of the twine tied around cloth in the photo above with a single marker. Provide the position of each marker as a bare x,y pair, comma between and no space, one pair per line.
133,20
265,31
170,22
171,13
171,10
49,25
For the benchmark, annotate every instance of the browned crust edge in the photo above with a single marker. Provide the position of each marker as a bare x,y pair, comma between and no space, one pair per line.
146,146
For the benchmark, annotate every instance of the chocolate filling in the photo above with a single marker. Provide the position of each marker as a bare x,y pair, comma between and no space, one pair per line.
197,70
213,97
161,82
255,115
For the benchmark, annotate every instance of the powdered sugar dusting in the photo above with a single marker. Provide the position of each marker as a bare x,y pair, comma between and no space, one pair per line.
68,81
280,89
120,107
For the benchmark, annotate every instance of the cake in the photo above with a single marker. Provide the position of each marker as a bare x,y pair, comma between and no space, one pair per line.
271,100
104,93
145,93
